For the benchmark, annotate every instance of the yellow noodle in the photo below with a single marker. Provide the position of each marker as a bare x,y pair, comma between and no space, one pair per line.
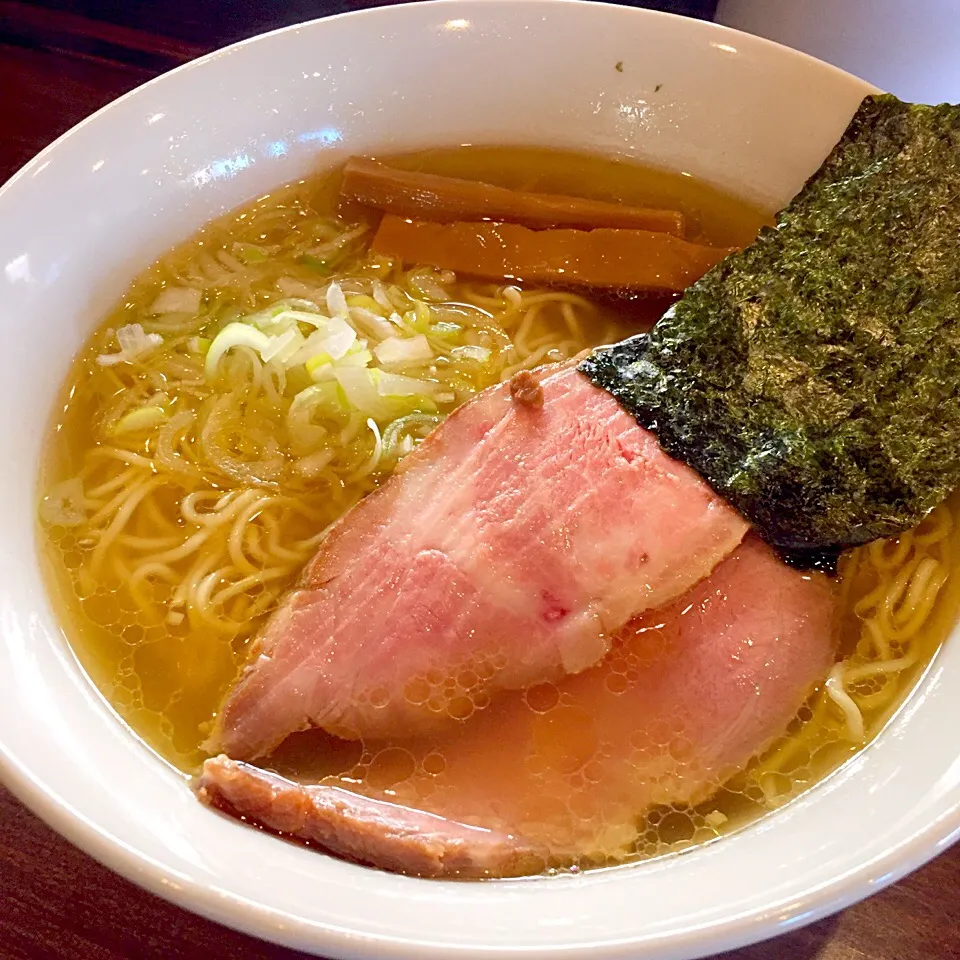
146,543
127,456
235,538
120,519
117,482
892,589
244,585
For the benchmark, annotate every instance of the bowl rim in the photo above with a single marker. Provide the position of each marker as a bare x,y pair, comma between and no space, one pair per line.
260,921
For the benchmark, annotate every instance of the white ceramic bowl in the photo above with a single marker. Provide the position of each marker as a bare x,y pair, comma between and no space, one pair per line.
88,213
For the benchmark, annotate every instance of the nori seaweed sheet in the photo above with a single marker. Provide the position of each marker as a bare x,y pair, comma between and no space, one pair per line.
813,379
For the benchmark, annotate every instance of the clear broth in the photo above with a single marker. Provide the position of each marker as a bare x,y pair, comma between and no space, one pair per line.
166,682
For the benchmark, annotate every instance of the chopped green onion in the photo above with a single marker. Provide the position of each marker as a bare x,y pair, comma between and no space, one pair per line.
64,505
397,385
418,423
382,297
250,253
317,363
320,266
368,303
336,301
384,401
283,346
425,285
419,318
234,335
471,352
357,356
312,465
365,469
177,300
445,329
322,400
373,323
399,351
140,419
133,344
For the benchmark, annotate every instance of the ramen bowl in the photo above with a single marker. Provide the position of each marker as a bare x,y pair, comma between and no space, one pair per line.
89,212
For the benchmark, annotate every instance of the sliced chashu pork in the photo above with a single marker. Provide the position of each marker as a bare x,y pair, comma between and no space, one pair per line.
686,697
373,831
511,545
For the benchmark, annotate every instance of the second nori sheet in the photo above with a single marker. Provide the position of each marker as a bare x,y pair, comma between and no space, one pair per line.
813,379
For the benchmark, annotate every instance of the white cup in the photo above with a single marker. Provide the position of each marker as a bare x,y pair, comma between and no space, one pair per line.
908,47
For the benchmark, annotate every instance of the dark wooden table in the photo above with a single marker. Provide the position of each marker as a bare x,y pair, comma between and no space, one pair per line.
59,61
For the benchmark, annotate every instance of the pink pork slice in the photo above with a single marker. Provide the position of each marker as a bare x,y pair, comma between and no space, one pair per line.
685,698
511,545
363,829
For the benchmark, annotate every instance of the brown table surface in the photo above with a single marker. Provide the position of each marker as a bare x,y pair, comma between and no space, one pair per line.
59,61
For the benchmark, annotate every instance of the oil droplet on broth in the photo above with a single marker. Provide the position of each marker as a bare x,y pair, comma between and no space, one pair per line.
417,691
433,764
565,738
542,698
390,767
